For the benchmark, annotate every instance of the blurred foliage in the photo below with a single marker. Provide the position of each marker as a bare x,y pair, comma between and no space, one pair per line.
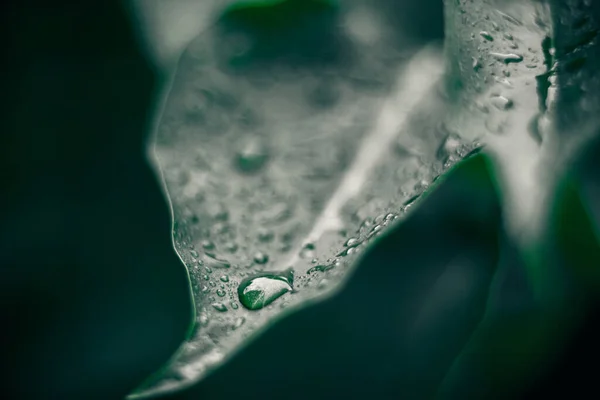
95,299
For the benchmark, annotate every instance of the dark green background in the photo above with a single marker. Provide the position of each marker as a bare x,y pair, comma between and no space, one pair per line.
93,298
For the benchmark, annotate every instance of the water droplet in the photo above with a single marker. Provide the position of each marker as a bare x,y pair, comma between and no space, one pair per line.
308,251
507,58
224,278
352,242
214,262
203,319
219,307
501,102
251,157
265,235
486,35
212,284
260,291
194,253
320,268
205,277
261,258
234,305
208,245
448,147
231,247
238,323
220,293
217,211
411,201
476,64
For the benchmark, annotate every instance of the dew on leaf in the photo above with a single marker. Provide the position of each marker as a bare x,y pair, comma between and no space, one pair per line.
260,291
214,262
486,35
501,102
252,157
238,322
265,235
308,251
219,307
261,257
208,245
320,268
352,242
507,58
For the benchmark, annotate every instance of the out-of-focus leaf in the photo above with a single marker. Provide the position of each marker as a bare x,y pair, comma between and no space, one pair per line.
538,324
94,298
401,319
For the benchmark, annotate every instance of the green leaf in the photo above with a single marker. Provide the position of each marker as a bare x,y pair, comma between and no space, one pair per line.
402,317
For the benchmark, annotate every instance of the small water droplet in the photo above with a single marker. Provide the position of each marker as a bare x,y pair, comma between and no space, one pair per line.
308,251
487,36
234,305
320,268
251,157
218,211
260,291
208,245
220,293
238,323
214,262
476,64
205,277
203,319
231,247
507,58
194,253
212,284
265,235
219,307
261,257
411,201
501,102
224,278
352,242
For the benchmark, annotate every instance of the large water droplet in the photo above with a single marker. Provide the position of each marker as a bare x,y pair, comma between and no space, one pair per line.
260,291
